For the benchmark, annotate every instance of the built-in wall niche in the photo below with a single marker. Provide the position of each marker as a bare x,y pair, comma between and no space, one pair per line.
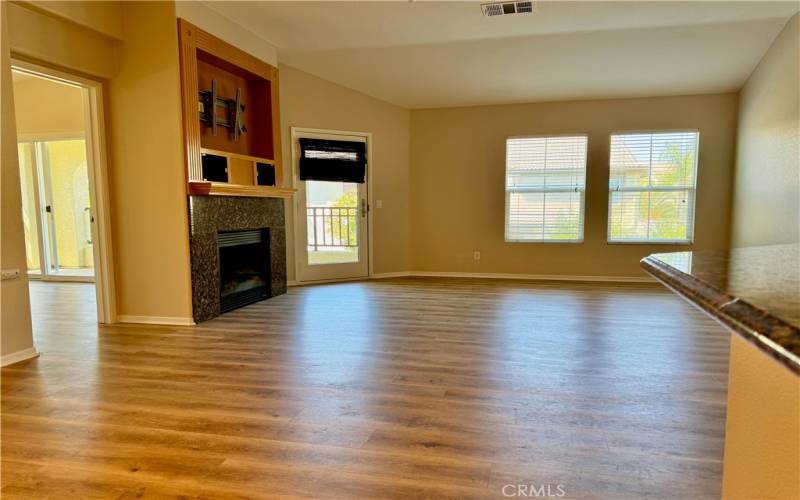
232,168
231,118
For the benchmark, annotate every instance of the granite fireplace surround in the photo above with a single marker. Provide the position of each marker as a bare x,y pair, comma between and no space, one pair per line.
210,214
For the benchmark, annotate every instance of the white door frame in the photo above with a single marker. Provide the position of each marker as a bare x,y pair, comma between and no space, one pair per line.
297,220
97,159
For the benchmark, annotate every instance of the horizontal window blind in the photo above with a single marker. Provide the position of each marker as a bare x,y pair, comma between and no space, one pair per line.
545,184
652,187
334,161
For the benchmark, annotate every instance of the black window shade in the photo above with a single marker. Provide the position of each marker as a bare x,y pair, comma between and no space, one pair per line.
338,161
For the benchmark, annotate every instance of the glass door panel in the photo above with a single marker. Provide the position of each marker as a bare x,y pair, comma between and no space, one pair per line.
332,219
56,209
68,207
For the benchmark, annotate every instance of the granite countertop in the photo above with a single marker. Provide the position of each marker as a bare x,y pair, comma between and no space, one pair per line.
755,291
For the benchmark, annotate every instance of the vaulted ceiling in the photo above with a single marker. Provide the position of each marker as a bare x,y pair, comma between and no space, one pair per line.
437,54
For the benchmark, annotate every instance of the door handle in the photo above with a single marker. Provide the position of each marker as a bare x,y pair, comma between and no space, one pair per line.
88,211
48,209
363,207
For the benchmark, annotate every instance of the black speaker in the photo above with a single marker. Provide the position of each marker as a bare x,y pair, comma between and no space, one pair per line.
265,174
215,168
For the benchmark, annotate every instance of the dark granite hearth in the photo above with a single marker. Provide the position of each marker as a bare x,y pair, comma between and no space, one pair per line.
210,214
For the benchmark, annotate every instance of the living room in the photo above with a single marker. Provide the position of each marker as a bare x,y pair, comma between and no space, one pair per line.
401,249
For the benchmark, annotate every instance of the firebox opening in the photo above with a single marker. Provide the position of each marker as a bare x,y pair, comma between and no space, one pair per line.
244,267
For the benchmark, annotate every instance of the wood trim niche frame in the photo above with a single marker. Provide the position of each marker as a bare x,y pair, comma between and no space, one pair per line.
200,50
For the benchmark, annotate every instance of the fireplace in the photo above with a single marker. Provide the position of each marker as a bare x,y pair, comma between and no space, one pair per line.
244,267
242,273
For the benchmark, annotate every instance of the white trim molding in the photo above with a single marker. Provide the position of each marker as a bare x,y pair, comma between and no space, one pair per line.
322,282
380,276
16,357
501,276
63,279
155,320
537,277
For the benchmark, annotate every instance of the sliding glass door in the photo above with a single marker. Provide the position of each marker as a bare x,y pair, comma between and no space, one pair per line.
56,208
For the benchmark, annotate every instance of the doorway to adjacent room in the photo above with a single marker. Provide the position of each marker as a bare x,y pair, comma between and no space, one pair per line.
62,179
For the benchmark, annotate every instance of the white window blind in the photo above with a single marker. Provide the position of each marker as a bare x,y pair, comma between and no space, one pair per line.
545,184
652,187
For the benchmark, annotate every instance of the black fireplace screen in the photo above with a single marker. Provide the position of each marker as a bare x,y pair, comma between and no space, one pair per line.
244,267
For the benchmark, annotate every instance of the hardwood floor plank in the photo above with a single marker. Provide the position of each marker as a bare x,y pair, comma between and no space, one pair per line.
401,388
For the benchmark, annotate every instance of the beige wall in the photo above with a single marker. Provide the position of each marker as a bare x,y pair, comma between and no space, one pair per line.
41,37
766,199
146,167
104,17
15,314
310,102
150,218
762,435
457,174
45,108
762,432
208,19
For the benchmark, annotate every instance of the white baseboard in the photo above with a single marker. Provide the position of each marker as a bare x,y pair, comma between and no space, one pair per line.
378,276
322,282
16,357
536,277
155,320
502,276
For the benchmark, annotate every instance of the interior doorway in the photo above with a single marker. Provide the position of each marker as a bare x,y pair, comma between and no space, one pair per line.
332,211
60,146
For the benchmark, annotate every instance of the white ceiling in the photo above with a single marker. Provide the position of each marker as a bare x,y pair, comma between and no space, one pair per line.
436,54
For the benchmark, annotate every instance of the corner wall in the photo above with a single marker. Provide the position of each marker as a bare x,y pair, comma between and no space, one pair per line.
766,196
16,339
148,184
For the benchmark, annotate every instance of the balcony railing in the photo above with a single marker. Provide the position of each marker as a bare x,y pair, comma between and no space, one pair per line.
332,227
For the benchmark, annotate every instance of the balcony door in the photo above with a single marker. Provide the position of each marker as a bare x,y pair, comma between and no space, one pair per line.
57,209
330,216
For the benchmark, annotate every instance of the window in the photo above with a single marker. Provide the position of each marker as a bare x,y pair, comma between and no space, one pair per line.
545,183
652,185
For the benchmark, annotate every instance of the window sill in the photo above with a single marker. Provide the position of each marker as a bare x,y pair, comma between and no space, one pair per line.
652,242
549,242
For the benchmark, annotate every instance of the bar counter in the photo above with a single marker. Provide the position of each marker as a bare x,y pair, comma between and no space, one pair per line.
755,291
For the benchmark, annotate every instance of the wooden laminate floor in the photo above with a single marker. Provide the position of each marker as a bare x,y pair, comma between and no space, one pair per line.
405,388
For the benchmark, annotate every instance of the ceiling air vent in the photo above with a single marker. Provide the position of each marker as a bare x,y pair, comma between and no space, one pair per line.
505,8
